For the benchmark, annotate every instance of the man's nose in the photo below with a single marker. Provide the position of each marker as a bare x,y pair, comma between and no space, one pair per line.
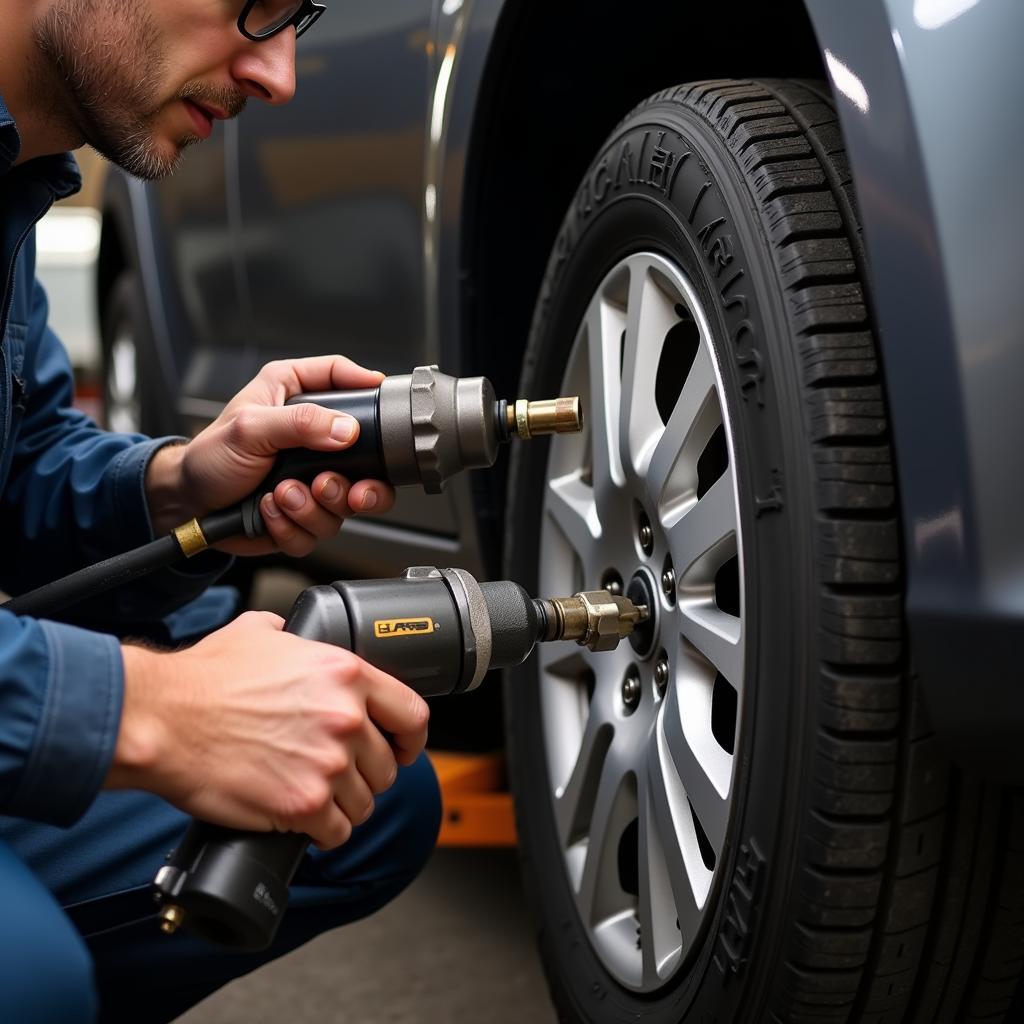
266,70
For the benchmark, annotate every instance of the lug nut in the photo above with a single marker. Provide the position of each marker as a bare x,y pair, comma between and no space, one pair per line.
612,582
631,690
645,534
661,673
668,583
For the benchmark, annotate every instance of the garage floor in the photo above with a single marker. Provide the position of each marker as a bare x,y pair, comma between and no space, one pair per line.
455,946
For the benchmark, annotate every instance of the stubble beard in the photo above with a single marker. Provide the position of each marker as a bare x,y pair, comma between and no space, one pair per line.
104,61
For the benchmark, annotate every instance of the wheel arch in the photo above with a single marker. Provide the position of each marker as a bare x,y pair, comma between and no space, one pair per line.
529,76
515,158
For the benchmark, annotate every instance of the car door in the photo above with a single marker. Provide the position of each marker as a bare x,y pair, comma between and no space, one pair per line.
331,192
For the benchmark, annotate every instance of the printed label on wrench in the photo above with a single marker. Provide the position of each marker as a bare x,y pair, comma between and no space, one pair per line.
385,628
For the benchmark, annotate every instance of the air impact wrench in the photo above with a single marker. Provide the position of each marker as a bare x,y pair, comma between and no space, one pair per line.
419,428
439,631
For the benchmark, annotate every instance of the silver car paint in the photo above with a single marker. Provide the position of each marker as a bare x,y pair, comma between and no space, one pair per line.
929,93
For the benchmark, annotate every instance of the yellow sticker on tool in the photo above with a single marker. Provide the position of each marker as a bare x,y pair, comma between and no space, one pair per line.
385,628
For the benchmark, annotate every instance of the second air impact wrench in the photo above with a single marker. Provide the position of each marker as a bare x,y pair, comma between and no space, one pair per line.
439,631
418,428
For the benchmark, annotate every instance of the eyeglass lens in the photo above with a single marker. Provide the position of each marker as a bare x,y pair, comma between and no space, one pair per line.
266,17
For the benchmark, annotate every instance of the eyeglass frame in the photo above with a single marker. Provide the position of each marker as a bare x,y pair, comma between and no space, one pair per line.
308,10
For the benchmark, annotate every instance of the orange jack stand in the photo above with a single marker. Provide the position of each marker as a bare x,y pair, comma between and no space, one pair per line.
476,808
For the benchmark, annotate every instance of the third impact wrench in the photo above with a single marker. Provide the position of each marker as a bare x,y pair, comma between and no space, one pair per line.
439,631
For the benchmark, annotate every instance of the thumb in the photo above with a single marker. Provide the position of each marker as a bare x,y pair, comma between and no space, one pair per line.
303,425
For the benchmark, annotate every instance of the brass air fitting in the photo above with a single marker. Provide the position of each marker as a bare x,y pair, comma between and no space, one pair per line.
593,618
190,538
551,416
171,918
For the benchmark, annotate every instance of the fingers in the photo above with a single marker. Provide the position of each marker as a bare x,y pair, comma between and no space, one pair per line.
399,711
376,761
266,429
285,531
371,496
372,770
353,796
299,517
328,828
351,805
296,501
321,373
335,494
332,491
283,379
266,620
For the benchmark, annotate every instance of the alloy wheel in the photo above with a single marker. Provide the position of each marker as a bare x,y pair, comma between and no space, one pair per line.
640,742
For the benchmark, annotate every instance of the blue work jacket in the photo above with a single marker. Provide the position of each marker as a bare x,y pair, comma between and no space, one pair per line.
70,494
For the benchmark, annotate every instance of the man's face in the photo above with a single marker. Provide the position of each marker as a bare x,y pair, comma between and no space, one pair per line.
144,79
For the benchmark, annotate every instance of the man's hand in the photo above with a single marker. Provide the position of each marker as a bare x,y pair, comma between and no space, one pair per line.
228,460
255,728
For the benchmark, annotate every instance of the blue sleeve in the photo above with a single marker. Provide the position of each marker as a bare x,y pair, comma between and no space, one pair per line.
61,690
75,494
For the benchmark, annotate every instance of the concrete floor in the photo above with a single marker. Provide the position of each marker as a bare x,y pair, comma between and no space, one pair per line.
455,946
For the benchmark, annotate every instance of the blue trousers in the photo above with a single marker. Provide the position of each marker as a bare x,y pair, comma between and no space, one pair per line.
79,940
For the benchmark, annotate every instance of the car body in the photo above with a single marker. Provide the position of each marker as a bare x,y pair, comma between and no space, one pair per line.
402,211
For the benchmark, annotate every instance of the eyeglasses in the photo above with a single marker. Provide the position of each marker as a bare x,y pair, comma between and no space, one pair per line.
261,19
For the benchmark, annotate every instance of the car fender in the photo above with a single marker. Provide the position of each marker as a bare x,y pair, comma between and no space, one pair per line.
936,161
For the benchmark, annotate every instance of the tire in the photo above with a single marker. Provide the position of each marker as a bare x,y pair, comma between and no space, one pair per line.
782,794
135,399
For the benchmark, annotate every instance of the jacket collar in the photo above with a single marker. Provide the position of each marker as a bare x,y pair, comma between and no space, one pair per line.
60,172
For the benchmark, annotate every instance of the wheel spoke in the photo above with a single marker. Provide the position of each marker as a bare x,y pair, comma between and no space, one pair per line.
604,325
670,826
570,503
600,892
717,635
650,315
575,801
704,526
709,802
671,477
659,882
565,710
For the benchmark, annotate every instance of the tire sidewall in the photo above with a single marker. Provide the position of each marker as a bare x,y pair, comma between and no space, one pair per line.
649,190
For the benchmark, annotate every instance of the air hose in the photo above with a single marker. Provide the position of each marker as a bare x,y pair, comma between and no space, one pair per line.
131,565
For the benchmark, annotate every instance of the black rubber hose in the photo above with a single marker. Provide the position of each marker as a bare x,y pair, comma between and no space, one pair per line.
121,569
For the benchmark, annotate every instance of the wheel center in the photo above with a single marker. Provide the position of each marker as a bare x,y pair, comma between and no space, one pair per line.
641,591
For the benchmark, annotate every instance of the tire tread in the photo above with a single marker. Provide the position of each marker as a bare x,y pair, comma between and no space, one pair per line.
878,886
907,897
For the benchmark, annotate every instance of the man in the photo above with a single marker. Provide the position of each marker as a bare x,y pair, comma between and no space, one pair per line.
115,742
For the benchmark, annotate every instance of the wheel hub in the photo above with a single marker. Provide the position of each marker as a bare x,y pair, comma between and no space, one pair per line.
641,591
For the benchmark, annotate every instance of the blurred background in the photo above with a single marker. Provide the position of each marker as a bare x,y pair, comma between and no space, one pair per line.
68,243
457,945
